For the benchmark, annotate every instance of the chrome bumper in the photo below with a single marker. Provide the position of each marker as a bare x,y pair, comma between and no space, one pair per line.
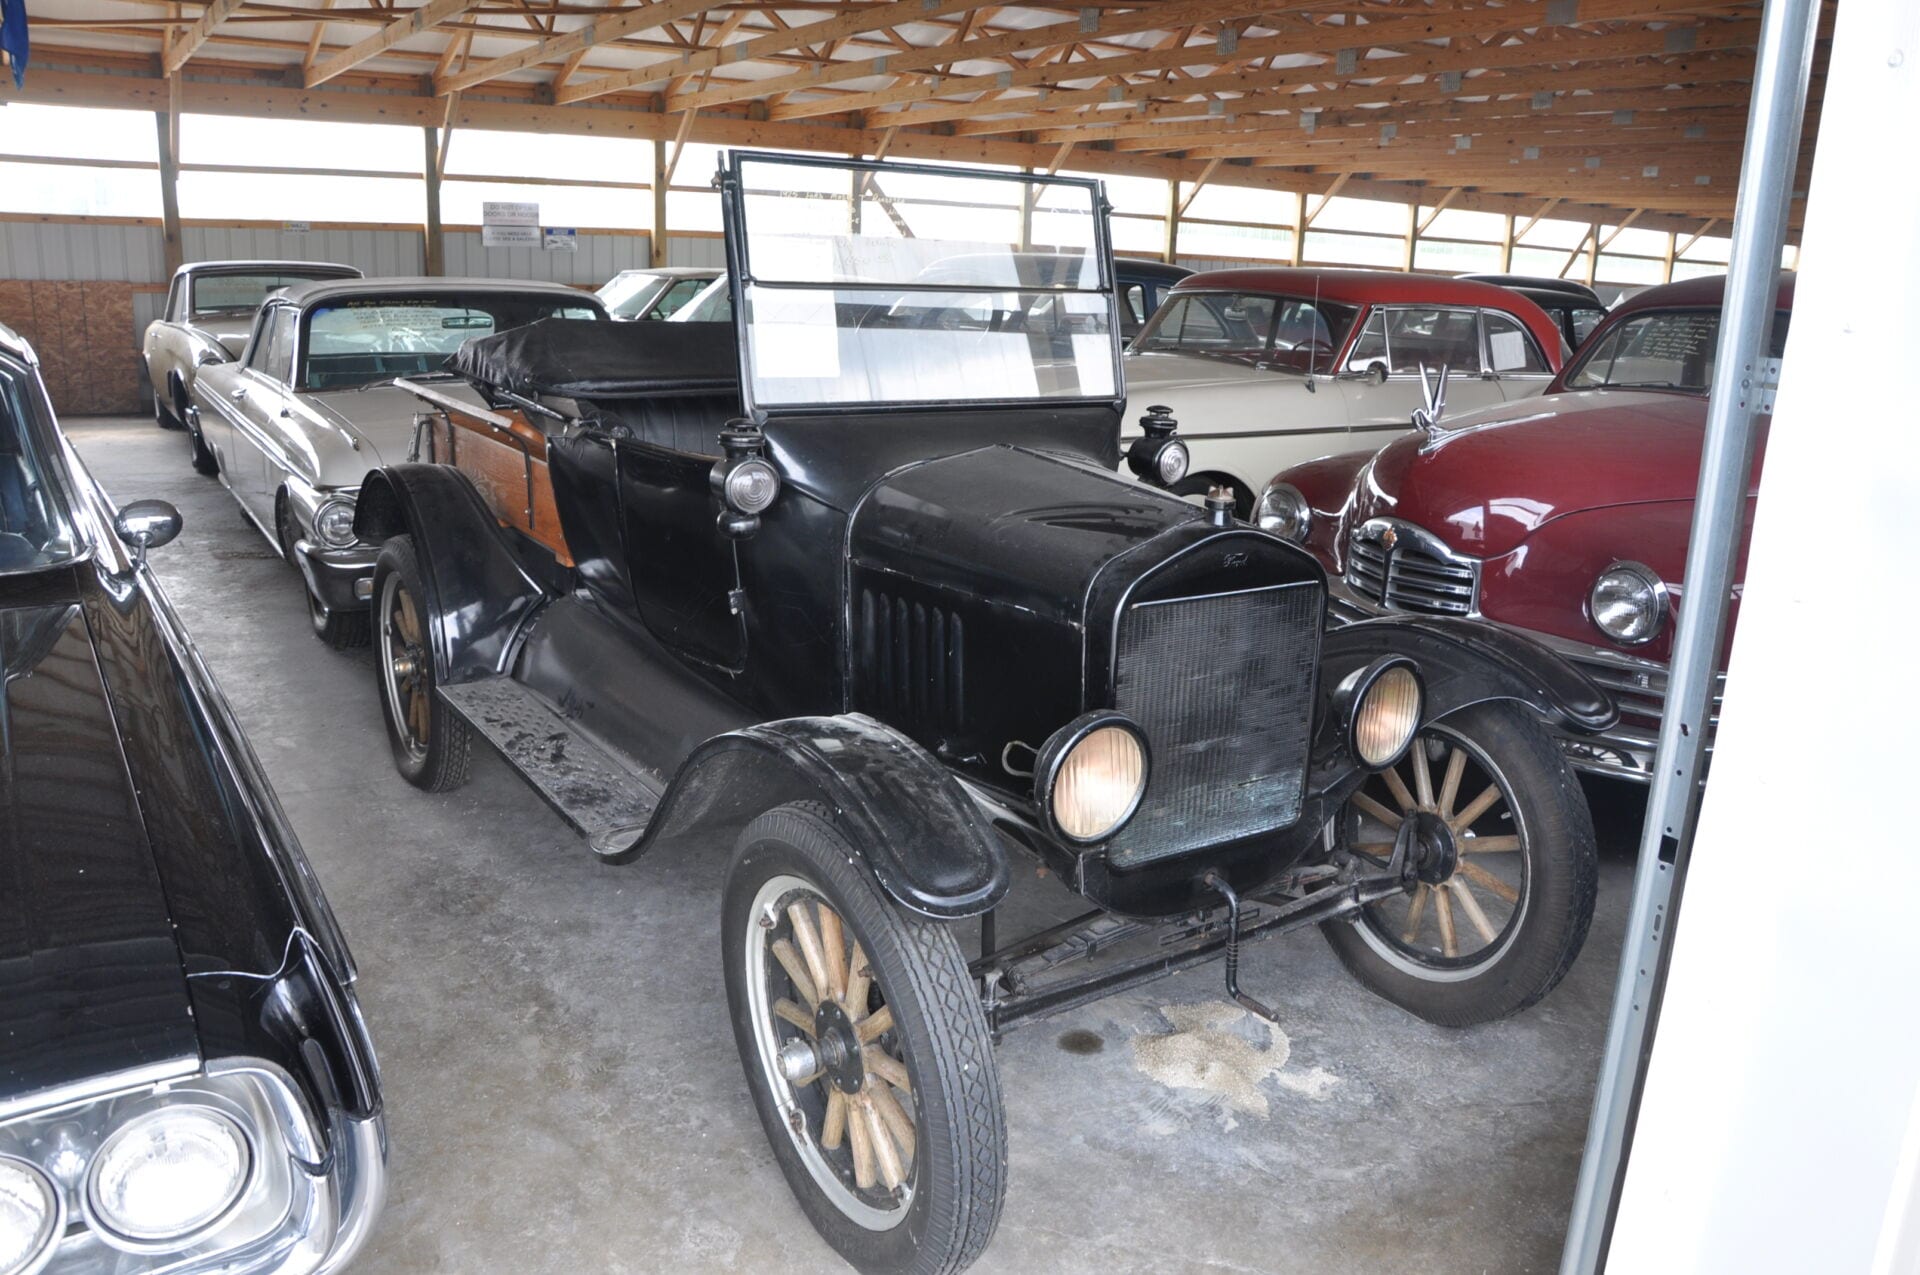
1638,686
340,579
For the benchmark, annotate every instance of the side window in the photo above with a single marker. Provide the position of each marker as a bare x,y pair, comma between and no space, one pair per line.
1370,346
682,291
1510,349
1432,336
1136,304
176,311
273,356
1194,325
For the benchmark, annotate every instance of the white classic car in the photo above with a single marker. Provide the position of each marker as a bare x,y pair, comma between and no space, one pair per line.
293,425
1264,368
209,312
657,292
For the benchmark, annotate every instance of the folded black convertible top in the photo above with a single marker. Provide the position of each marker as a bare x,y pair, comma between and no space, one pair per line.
594,359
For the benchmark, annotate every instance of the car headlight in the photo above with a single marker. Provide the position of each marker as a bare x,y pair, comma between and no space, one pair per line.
1386,696
1173,461
1284,512
29,1217
169,1174
1091,776
333,524
1628,603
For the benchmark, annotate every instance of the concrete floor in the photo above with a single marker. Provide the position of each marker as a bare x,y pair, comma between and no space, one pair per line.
564,1094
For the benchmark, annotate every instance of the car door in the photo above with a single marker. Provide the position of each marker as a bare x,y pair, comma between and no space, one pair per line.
256,398
682,568
1513,358
1401,339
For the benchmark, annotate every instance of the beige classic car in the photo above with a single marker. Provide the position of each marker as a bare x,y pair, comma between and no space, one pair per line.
1267,367
209,312
293,425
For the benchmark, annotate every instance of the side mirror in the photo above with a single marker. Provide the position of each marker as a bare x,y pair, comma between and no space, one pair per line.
146,524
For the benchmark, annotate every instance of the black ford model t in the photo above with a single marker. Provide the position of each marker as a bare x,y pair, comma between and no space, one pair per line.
852,585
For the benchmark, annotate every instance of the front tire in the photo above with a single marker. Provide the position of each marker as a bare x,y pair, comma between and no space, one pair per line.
896,1148
432,745
1503,929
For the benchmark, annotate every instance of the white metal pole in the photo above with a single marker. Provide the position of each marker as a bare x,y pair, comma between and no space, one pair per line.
1741,378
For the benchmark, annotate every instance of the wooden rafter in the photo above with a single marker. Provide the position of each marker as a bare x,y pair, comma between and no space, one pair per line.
186,45
425,18
622,22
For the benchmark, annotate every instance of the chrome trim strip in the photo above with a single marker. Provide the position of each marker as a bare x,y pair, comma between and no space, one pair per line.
449,402
100,1086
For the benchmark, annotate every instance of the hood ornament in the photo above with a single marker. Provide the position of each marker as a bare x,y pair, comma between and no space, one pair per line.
1426,419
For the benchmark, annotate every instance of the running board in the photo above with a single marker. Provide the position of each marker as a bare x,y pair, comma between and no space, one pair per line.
608,801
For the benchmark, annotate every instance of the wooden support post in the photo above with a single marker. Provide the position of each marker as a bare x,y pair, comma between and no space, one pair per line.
169,193
1593,258
1027,193
659,236
1506,247
1666,265
1173,222
1299,227
436,247
1413,234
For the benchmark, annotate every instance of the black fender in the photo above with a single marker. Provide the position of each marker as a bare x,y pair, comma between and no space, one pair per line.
927,843
1467,662
481,596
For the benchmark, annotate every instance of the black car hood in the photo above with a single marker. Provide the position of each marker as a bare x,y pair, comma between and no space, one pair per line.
90,975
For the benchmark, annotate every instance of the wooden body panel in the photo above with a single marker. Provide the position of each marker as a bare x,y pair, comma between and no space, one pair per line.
508,465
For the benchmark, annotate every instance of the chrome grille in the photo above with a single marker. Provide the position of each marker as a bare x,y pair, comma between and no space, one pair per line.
1402,567
1223,687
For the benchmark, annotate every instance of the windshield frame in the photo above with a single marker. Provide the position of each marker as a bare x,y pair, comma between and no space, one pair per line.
739,279
43,448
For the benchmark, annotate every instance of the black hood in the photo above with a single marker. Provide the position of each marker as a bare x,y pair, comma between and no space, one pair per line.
90,975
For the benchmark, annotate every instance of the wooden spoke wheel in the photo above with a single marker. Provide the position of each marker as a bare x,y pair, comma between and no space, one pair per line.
431,744
1501,926
866,1051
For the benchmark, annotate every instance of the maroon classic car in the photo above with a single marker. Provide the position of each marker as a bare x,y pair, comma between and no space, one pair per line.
1566,516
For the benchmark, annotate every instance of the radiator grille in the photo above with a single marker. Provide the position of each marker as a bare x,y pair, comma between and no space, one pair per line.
1223,687
912,662
1403,575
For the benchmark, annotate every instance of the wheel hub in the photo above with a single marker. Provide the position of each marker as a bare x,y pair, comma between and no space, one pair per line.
1433,853
837,1048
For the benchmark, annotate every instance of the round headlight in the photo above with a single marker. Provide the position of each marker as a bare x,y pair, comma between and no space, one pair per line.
168,1174
29,1217
751,486
1172,462
1386,717
1284,512
1093,773
1628,603
333,524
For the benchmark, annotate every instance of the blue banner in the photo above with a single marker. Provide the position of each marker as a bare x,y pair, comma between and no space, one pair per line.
13,37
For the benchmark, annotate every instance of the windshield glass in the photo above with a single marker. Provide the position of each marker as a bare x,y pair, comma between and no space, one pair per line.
243,293
1291,332
1661,350
35,531
913,285
629,288
361,339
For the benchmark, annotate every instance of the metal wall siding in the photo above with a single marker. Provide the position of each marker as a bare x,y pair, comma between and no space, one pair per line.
78,251
598,258
375,252
686,251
